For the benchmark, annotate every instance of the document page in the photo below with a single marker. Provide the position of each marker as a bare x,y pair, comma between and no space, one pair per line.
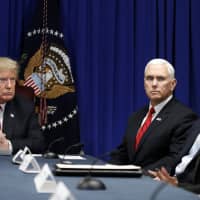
103,167
71,157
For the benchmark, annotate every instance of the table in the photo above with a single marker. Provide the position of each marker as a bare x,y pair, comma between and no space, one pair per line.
17,185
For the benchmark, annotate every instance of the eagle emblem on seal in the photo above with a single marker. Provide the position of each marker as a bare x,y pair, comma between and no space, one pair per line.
51,76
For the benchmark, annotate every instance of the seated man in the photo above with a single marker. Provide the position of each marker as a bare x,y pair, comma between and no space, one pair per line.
187,172
157,132
18,122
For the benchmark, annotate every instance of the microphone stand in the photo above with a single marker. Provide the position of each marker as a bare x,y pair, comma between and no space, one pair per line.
68,149
90,183
48,154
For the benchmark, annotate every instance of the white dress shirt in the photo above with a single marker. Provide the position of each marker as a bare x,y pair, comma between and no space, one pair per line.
2,106
180,168
157,109
9,151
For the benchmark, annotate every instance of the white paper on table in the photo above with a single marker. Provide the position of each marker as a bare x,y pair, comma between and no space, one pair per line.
106,166
71,157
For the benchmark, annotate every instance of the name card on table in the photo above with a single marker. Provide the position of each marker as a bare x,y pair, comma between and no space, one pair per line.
19,156
62,193
45,181
29,164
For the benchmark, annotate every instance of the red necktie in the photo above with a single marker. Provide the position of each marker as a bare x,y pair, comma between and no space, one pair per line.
144,127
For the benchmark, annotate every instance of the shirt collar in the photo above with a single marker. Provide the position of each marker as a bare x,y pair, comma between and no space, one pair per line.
3,106
160,106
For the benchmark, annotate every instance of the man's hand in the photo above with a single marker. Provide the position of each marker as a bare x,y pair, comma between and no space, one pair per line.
163,175
2,137
4,144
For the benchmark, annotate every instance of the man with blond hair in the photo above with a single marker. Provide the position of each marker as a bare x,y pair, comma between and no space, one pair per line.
18,122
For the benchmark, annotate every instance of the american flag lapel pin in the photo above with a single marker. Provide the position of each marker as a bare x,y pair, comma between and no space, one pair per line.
12,115
159,119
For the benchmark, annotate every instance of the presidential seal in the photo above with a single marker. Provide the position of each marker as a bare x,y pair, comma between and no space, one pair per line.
52,77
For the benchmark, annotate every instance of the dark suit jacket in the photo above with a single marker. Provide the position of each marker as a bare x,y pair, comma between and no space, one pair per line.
20,124
190,178
161,143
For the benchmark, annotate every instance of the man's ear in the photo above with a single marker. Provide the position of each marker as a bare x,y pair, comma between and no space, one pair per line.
173,84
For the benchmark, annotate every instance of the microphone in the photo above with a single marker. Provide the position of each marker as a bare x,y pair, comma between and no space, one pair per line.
69,148
89,183
49,154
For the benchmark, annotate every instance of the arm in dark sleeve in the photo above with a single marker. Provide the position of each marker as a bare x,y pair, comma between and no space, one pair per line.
119,156
190,187
178,138
29,133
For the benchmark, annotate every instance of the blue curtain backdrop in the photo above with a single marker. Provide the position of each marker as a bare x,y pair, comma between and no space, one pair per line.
109,43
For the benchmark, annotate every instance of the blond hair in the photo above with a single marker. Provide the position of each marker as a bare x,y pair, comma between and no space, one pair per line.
8,64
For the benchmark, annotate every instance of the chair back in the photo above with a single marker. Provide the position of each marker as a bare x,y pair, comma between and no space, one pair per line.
27,92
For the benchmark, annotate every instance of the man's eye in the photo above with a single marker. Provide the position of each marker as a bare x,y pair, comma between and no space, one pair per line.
149,78
4,80
160,78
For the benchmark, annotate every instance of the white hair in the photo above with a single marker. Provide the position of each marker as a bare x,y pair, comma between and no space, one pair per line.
161,61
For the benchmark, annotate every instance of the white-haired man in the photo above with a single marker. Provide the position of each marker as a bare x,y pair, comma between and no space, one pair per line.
157,132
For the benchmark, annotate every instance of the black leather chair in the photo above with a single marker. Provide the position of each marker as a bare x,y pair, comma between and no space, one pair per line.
27,92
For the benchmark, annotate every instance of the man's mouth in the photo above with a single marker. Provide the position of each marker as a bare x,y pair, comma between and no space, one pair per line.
8,94
154,92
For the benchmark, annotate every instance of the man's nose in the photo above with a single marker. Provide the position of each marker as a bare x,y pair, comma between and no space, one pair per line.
8,83
154,82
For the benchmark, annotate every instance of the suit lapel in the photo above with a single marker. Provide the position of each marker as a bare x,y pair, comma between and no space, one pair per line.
134,126
159,119
9,120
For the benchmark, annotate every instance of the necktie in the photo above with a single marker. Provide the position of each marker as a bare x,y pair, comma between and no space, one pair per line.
144,127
